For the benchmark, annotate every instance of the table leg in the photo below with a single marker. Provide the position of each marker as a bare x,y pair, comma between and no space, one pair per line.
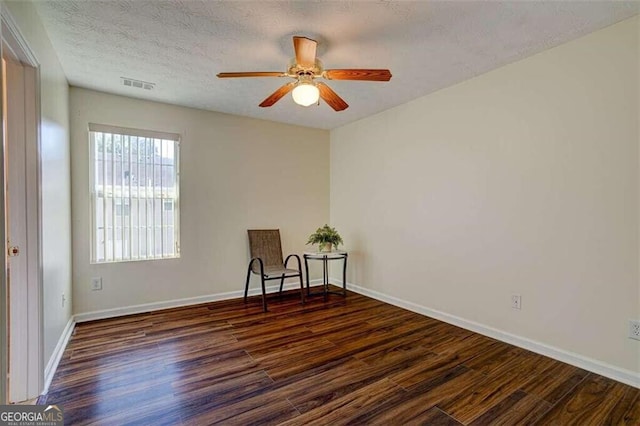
325,277
344,277
306,268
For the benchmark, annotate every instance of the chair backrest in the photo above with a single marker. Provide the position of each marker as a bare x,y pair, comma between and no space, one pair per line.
265,244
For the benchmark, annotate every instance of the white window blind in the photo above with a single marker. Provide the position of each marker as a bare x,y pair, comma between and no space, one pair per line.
134,194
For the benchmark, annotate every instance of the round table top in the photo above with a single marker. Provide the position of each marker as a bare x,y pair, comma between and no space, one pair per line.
325,254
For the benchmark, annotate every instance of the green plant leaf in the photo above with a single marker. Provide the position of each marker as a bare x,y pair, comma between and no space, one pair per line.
325,234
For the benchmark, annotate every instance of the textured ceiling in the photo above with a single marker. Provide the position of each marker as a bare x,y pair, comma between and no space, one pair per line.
181,45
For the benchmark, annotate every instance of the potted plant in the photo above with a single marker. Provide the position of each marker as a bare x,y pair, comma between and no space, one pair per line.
326,237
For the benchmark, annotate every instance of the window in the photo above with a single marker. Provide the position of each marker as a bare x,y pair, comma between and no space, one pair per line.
134,194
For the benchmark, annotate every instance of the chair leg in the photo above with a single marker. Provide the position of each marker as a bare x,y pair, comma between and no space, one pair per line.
264,295
246,285
281,284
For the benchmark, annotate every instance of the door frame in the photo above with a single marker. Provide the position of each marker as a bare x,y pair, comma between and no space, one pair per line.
14,43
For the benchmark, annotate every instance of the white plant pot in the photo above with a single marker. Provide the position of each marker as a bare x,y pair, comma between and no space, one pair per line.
324,248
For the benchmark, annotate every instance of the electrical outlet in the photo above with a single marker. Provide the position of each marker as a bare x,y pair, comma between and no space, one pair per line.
516,301
64,299
634,329
96,283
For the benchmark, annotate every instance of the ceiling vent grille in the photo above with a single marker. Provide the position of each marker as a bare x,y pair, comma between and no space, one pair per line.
130,82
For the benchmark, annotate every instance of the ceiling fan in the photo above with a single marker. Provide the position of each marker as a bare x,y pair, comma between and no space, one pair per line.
305,68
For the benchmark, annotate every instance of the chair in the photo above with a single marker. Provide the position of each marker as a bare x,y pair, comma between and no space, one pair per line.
266,261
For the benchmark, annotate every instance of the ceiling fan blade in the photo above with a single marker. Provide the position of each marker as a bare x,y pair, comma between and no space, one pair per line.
357,74
331,97
305,49
252,74
278,94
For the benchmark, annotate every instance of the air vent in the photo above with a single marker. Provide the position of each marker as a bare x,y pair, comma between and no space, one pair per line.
130,82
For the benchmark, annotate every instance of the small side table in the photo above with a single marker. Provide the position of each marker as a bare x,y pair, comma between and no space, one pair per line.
325,257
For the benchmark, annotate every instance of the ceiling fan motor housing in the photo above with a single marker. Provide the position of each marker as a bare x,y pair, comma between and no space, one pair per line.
296,69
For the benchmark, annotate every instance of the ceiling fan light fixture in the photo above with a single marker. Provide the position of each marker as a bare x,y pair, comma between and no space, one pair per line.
305,94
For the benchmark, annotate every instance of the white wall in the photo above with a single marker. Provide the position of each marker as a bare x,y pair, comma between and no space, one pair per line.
55,175
236,173
520,181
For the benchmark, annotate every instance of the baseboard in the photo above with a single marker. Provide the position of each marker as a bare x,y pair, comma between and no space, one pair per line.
622,375
628,377
56,356
176,303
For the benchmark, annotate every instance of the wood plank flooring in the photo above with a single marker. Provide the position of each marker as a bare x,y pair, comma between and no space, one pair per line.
346,361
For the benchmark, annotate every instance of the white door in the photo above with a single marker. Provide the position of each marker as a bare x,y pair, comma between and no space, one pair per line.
19,113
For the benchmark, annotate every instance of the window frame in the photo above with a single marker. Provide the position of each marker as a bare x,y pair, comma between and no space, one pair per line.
93,237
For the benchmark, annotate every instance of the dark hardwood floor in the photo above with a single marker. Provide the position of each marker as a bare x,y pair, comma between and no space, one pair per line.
353,360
